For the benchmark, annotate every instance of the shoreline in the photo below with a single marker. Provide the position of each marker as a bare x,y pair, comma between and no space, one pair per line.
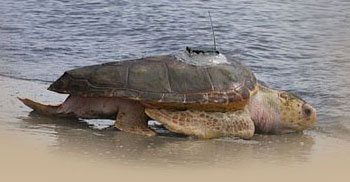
39,147
26,160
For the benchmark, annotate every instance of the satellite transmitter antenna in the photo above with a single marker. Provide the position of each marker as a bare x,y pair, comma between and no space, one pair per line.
204,50
212,29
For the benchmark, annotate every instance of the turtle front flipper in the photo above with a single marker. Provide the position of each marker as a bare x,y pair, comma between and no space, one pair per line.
205,125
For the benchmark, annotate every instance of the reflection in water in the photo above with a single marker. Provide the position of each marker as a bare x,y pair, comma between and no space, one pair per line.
74,138
301,46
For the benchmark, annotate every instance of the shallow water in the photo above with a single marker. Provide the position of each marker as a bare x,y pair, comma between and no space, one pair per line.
302,46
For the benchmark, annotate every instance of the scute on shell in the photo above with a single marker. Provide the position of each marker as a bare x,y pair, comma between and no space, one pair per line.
164,81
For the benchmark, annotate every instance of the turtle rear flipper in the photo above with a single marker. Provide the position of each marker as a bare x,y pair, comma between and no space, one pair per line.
131,118
41,108
205,125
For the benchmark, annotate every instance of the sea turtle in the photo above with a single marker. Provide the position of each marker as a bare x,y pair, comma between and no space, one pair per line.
196,92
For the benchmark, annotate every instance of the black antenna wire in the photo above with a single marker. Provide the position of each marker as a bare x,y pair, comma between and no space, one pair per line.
212,29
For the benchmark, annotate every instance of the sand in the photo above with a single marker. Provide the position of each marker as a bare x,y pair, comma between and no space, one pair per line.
35,148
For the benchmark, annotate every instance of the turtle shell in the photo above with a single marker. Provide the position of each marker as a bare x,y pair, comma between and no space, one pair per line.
164,82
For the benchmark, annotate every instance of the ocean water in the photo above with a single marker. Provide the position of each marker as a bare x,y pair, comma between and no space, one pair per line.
301,46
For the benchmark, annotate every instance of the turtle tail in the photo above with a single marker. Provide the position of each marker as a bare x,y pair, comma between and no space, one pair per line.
40,108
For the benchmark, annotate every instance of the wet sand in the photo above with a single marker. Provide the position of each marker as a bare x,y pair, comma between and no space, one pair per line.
27,160
299,46
37,148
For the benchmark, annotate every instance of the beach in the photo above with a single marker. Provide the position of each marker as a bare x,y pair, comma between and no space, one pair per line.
301,46
36,147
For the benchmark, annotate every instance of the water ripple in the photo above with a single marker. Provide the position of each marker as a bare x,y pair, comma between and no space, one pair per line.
301,45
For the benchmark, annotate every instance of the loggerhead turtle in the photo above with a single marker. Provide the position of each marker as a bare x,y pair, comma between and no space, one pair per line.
196,92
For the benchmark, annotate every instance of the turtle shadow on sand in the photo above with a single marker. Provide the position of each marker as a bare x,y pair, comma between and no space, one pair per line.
36,118
79,139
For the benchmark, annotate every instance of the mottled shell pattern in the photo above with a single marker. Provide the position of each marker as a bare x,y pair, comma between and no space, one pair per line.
181,81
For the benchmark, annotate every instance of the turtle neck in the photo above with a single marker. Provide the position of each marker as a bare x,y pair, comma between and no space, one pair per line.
263,107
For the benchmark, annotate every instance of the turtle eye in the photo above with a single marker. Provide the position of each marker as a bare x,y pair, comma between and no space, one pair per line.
284,95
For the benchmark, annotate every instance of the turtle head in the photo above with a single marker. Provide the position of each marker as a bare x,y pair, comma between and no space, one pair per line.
279,112
295,113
